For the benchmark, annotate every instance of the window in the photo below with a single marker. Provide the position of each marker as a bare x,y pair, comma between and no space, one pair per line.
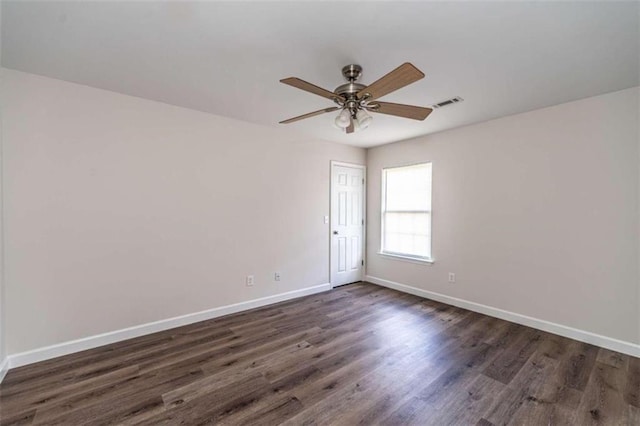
406,211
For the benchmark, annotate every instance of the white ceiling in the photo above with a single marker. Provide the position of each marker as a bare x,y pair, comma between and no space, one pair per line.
227,58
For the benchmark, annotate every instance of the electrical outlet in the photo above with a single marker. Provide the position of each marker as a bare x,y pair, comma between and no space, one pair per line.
326,220
276,276
250,280
452,277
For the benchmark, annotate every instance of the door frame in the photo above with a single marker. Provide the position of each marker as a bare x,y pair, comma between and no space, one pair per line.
364,213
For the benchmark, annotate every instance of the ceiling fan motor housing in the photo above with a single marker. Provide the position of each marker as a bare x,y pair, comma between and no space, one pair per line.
349,90
352,72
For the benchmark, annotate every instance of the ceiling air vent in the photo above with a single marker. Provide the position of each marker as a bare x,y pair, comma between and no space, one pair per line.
447,102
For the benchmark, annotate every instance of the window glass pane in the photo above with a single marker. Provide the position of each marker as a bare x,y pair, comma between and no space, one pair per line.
409,188
406,212
407,233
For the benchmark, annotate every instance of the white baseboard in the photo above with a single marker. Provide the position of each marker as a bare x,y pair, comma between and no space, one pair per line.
561,330
65,348
4,367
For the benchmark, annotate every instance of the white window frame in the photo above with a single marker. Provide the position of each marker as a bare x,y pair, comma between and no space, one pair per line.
404,256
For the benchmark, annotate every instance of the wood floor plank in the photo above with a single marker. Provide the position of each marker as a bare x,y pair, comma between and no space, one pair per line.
603,400
208,353
359,354
632,387
352,401
339,376
612,358
468,407
582,362
633,416
56,378
119,396
378,392
521,401
61,395
20,418
258,352
426,400
507,365
223,377
555,391
278,401
554,347
212,408
272,414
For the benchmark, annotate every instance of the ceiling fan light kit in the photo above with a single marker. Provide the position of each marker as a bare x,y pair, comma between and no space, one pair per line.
363,119
343,119
355,100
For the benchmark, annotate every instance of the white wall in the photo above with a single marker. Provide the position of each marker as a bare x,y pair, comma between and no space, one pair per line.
536,213
121,211
2,321
3,352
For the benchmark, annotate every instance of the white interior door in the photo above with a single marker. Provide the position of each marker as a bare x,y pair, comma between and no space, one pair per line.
347,223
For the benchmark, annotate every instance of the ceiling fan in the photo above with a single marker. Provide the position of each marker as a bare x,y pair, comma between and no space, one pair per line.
355,99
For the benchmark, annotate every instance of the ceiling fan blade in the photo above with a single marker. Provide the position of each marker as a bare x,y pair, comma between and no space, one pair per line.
401,110
350,128
308,87
311,114
402,76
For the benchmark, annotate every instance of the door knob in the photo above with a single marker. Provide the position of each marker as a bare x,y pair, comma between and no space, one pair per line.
335,232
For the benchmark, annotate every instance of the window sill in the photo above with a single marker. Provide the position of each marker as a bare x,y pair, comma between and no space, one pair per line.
406,258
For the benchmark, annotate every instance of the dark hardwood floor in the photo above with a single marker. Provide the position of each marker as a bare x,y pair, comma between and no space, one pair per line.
359,354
